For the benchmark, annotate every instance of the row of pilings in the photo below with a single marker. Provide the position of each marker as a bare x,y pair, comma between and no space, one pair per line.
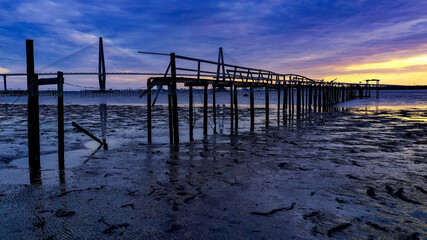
294,101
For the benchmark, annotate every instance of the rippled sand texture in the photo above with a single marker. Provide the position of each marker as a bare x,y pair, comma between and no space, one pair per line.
356,174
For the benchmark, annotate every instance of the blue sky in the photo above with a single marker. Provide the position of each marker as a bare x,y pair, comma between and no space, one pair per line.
351,40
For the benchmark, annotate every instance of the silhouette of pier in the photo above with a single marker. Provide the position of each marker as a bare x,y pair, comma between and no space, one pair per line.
311,94
296,95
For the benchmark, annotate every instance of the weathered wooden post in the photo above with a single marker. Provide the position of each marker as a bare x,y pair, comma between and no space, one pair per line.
291,99
267,105
61,159
33,117
299,99
306,97
342,93
174,100
149,136
302,98
236,111
191,112
231,109
102,76
278,104
320,100
252,106
285,100
310,97
369,89
205,109
315,97
214,106
4,83
324,96
378,89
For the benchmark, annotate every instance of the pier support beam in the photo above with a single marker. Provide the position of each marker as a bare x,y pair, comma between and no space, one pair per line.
315,98
285,103
33,117
61,160
302,100
174,97
149,136
310,97
267,106
102,76
236,111
291,100
278,105
252,107
205,110
319,102
191,112
214,106
4,83
231,109
299,100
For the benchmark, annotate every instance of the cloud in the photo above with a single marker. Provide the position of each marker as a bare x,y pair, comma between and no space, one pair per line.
315,38
4,70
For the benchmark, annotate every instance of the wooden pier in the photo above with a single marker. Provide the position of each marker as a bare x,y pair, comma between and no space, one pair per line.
311,94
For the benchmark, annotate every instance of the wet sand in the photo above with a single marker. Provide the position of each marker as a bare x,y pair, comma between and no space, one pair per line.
353,174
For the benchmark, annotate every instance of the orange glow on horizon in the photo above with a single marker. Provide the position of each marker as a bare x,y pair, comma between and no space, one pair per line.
394,64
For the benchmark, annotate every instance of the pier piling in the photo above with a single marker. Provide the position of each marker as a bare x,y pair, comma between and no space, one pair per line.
149,136
190,95
252,106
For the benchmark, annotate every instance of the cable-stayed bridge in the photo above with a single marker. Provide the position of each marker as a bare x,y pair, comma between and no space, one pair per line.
91,61
88,61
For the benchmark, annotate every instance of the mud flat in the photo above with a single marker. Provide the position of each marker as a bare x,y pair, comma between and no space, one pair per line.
354,174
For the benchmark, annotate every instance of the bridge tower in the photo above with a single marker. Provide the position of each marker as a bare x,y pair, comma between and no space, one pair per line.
102,76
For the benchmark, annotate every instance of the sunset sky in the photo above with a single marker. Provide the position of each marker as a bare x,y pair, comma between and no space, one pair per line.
349,40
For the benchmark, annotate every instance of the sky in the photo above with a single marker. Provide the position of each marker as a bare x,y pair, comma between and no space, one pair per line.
349,40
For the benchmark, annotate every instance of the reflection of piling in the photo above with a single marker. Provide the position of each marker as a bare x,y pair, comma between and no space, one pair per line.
103,114
170,116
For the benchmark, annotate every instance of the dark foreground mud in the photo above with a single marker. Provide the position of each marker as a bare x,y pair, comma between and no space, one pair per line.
358,174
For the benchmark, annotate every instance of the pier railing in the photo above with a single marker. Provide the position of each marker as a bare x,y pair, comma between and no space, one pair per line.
303,93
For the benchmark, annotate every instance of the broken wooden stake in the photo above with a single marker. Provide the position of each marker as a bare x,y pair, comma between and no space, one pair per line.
87,133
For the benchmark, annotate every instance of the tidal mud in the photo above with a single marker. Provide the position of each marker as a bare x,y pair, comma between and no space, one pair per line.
353,174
